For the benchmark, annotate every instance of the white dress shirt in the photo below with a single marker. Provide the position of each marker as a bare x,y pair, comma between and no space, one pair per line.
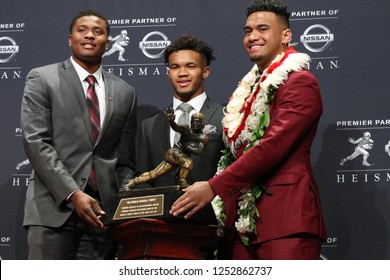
99,87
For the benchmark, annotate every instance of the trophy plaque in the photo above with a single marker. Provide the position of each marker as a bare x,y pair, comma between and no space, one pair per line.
153,203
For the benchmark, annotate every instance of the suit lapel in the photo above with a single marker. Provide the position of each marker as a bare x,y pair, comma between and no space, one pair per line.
207,110
164,130
73,86
109,94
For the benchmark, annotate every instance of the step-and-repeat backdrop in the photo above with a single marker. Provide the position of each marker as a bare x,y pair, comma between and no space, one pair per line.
349,45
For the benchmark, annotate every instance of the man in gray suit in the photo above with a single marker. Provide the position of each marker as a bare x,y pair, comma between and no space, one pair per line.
63,208
188,61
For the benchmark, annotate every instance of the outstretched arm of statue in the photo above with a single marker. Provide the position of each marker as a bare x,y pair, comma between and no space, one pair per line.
353,141
170,114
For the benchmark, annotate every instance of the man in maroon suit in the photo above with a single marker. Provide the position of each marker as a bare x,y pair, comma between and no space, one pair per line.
265,184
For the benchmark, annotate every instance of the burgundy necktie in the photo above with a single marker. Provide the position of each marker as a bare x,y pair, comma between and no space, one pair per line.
93,107
94,115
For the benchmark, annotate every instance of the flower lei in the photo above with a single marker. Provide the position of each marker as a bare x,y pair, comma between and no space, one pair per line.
246,118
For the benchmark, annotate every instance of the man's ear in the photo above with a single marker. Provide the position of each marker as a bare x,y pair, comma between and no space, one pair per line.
206,72
286,36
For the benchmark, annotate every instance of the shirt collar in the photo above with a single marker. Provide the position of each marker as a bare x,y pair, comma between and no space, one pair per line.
196,102
82,73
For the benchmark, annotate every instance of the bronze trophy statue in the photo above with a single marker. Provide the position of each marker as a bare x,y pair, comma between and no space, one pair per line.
132,203
192,141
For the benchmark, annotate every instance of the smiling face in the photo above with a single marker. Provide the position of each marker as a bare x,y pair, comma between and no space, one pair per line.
88,40
265,37
187,70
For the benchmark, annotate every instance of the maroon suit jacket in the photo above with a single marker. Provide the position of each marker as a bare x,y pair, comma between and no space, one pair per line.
282,162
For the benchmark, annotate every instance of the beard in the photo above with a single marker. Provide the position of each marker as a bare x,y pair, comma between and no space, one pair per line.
255,58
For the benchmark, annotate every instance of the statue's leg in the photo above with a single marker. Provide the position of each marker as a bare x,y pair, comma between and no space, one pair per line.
186,165
163,168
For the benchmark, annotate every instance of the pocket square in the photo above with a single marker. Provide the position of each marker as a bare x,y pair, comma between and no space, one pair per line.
210,129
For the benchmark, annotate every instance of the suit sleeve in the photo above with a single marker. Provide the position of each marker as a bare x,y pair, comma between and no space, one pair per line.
36,122
296,109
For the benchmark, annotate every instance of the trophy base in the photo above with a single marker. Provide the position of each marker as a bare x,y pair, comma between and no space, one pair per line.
153,203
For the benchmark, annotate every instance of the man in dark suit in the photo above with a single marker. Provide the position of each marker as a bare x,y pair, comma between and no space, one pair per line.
266,175
78,161
188,61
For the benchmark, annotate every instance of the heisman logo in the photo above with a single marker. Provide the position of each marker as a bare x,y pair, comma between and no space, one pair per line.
120,41
364,143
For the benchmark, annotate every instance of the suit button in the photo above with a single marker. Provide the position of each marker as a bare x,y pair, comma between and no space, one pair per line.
83,180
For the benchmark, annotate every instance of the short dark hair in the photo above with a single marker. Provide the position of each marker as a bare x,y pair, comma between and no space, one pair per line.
188,42
273,6
89,12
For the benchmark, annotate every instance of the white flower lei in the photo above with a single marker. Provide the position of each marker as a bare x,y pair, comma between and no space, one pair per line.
234,116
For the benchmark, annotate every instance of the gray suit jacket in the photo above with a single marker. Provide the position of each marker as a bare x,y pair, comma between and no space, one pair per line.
153,141
57,138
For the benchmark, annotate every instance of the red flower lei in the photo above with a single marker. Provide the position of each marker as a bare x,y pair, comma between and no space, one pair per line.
248,103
